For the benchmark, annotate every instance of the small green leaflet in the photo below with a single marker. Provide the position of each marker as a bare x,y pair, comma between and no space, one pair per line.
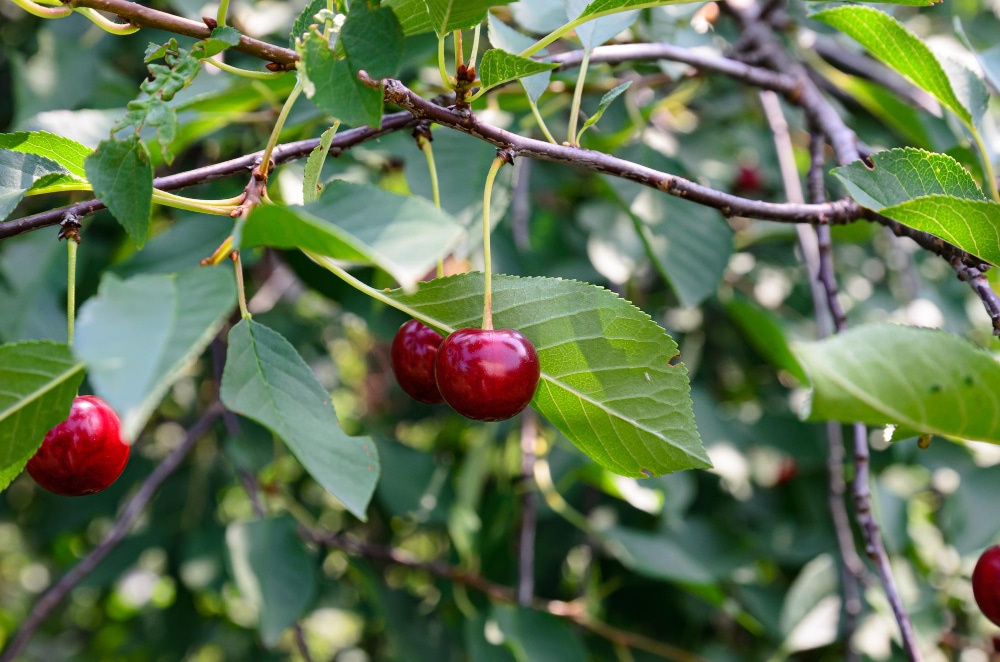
929,192
607,379
38,381
221,39
122,176
267,381
274,572
401,234
314,165
605,101
498,66
886,374
899,48
138,335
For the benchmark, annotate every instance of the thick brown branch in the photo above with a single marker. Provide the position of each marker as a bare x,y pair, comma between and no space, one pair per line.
146,17
55,595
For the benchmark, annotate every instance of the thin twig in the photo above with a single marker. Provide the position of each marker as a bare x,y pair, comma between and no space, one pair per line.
573,611
55,595
529,510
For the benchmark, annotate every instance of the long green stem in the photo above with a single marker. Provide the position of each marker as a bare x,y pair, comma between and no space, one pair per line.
475,46
43,12
278,126
577,22
331,265
988,172
428,150
459,50
240,291
220,16
555,501
487,257
71,247
216,207
574,111
245,73
120,29
442,67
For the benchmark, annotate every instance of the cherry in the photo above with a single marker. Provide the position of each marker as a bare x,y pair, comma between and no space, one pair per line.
748,179
84,454
986,583
413,351
487,375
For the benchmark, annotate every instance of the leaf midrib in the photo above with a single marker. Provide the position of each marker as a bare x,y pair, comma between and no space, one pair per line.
55,381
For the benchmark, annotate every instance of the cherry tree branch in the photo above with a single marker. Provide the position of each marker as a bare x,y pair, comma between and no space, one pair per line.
146,17
574,612
133,509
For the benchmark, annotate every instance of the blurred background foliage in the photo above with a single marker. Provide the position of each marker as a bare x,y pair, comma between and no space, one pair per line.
736,563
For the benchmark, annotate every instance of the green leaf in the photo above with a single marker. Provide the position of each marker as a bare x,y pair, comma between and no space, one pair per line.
507,38
373,40
221,39
137,336
401,234
334,87
306,18
449,15
767,337
989,60
606,383
655,555
816,581
899,48
67,153
19,172
602,25
901,175
881,374
314,165
275,573
498,66
972,225
535,636
412,15
122,176
599,8
969,88
32,273
602,105
267,381
38,381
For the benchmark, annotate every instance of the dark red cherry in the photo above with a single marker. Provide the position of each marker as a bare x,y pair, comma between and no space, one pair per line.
413,351
487,375
986,583
748,180
85,453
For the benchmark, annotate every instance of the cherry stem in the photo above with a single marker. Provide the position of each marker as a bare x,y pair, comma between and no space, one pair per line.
487,258
71,247
220,16
265,161
425,147
240,292
459,51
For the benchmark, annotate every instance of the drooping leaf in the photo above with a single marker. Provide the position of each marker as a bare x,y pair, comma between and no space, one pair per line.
267,381
891,42
274,572
38,381
603,24
314,165
602,105
373,40
969,88
535,636
607,382
138,335
989,59
401,234
499,66
333,85
655,555
766,336
20,172
901,175
122,176
886,374
32,271
449,15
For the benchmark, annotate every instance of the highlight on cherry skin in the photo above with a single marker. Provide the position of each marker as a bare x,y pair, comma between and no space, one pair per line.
84,454
986,583
413,350
487,375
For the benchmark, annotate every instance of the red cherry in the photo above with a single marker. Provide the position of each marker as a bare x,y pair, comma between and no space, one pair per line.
413,351
84,454
487,375
748,179
986,583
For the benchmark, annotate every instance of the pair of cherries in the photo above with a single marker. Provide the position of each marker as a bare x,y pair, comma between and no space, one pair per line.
483,374
84,454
